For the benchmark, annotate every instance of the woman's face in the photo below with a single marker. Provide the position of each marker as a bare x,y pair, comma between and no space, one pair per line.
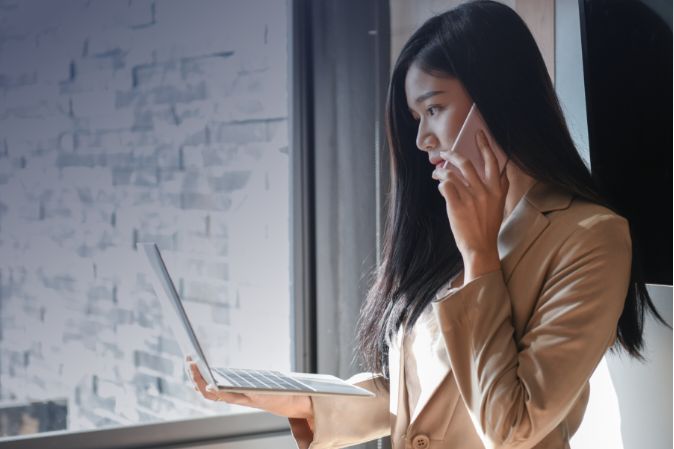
440,106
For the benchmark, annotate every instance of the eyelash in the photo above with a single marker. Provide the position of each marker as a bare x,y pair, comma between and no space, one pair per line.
434,106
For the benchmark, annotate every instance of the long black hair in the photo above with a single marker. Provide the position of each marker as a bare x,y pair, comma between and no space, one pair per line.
489,48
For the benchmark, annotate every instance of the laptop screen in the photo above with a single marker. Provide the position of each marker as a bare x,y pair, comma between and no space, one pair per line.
174,311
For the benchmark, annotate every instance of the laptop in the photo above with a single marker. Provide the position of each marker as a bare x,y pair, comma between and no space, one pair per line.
237,380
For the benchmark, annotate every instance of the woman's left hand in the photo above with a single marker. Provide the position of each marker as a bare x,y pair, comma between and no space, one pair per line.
474,208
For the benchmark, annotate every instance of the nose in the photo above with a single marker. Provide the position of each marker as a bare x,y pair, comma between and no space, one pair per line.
426,141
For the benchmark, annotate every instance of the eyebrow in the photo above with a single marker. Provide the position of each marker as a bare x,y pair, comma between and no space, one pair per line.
428,95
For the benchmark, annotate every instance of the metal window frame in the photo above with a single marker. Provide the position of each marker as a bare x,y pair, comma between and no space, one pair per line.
237,427
350,59
302,217
188,432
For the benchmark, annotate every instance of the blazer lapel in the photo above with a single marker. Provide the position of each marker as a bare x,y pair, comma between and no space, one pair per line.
526,222
432,378
430,353
520,229
397,389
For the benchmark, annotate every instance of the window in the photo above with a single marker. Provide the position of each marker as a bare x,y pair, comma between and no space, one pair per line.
132,121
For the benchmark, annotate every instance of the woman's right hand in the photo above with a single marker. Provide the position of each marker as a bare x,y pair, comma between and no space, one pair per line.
289,406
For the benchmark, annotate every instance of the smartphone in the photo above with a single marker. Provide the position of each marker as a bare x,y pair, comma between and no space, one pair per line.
466,143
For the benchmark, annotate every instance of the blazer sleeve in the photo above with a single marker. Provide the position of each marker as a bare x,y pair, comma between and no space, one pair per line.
518,393
341,421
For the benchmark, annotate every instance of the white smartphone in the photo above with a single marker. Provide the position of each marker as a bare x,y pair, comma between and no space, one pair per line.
466,144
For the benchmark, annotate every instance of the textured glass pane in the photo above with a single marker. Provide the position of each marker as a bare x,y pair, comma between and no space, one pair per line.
124,122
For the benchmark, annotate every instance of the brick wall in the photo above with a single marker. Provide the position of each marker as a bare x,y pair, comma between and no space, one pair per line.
123,121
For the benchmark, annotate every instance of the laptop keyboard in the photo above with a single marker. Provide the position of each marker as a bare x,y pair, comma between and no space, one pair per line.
247,378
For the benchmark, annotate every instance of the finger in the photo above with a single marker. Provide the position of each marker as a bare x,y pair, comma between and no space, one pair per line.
440,173
456,180
450,167
449,192
505,182
450,188
490,162
206,392
453,176
200,384
465,167
198,379
194,370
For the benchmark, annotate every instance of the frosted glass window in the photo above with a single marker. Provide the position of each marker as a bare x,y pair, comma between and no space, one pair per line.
131,121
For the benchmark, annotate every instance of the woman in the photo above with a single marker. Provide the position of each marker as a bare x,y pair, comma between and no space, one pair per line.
498,297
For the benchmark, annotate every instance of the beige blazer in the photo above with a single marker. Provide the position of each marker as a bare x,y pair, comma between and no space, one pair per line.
522,341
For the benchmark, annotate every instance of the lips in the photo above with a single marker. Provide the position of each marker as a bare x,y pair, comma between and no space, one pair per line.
438,162
435,159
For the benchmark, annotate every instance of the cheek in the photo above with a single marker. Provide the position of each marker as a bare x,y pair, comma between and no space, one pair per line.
452,123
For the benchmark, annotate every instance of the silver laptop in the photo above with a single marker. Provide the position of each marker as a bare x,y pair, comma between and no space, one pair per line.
235,379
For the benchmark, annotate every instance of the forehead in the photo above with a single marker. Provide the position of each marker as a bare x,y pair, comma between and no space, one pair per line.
418,83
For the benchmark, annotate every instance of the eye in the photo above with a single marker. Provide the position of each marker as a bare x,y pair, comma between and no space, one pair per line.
432,108
430,111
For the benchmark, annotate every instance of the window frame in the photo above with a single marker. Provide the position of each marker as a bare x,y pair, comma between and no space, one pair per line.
182,433
235,427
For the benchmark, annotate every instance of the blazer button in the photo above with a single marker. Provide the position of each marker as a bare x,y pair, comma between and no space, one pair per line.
420,442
